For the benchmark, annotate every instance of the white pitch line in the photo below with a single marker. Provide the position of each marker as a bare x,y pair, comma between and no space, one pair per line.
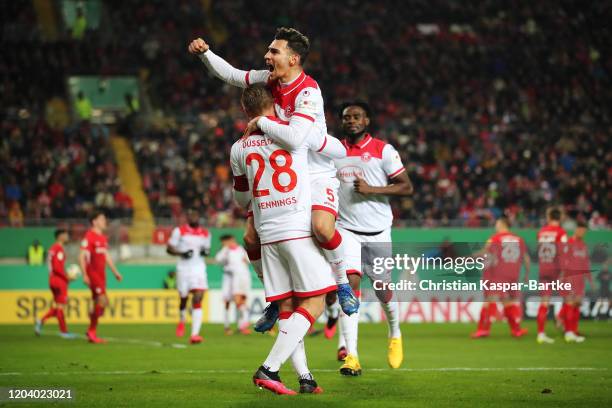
320,370
151,343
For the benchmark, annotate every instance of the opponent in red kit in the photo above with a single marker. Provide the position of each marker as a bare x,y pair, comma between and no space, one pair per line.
506,252
58,283
552,240
576,269
93,259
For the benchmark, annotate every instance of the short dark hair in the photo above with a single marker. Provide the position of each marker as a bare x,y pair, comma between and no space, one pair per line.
59,232
582,224
255,99
505,220
95,215
298,42
360,104
554,214
225,237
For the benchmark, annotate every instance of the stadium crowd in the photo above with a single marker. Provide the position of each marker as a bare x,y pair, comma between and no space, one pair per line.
483,123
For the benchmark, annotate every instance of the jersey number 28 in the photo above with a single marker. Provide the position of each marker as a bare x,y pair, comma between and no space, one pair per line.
278,170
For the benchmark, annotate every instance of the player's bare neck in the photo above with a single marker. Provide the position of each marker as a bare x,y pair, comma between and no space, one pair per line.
291,76
553,223
96,230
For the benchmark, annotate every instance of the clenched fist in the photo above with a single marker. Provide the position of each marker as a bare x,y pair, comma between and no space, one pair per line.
198,46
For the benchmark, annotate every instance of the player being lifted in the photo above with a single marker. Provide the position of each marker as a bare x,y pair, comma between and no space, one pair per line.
58,283
236,281
370,173
505,252
191,243
93,259
295,274
552,241
577,269
297,100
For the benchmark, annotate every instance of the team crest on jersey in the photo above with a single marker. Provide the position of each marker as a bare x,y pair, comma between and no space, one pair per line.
288,111
366,157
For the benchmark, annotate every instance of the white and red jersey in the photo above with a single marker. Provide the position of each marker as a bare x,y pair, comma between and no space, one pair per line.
375,161
56,260
233,259
552,240
279,183
185,238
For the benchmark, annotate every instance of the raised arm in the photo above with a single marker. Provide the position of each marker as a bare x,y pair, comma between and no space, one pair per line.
224,70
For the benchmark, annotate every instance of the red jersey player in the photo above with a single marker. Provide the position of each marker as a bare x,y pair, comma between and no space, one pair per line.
58,283
576,269
93,259
506,252
552,239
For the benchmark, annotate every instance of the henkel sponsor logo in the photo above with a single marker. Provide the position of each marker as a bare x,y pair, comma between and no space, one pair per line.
348,174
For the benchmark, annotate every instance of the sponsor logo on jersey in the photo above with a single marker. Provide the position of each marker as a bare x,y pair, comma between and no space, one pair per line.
348,174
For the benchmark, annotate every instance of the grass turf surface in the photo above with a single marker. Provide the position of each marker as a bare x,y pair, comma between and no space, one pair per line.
218,372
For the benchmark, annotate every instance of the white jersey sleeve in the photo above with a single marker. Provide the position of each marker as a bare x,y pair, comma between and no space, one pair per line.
332,148
290,136
391,161
175,236
228,74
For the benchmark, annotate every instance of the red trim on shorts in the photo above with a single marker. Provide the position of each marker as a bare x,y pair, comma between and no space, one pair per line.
397,172
316,292
332,243
284,315
279,297
288,239
301,115
246,78
324,208
354,272
306,314
323,145
197,305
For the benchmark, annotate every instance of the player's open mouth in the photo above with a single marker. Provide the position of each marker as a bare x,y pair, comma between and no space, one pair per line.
270,67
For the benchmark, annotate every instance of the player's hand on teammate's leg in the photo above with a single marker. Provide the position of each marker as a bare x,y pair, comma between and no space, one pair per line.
198,46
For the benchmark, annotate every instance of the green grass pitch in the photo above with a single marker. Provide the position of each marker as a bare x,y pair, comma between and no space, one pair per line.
442,367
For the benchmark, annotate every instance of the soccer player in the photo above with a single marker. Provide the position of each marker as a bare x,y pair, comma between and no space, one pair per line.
505,253
58,283
298,102
371,172
191,243
93,259
295,274
577,268
552,239
236,282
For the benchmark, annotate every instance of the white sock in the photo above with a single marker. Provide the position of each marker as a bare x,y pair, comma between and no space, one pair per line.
335,257
288,338
341,339
333,310
392,312
258,268
196,321
183,315
298,358
243,316
350,330
226,313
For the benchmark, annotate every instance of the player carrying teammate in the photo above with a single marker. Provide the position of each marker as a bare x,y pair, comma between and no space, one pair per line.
236,281
191,243
552,240
93,259
506,252
58,283
371,172
577,269
295,274
299,103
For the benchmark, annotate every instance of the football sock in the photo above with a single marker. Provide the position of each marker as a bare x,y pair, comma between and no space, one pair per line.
484,323
493,311
341,339
61,321
511,317
333,310
391,310
565,315
334,253
95,315
243,316
298,357
541,318
288,338
183,309
196,319
51,313
349,330
574,311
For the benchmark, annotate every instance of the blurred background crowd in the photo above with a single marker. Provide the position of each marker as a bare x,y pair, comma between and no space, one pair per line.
494,106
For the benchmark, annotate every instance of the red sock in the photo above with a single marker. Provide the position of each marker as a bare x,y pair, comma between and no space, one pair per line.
510,313
493,312
575,312
542,313
51,313
61,320
95,315
484,323
562,316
